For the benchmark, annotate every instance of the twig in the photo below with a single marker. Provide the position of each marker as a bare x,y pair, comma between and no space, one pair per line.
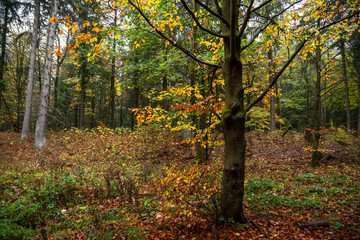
260,228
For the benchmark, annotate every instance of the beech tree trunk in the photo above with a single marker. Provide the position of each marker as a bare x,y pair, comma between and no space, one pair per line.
343,63
232,193
40,130
316,155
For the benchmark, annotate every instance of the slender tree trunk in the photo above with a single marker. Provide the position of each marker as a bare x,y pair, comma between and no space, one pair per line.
3,49
165,85
199,123
316,155
56,89
345,79
112,85
121,112
30,85
83,83
135,97
40,139
358,78
93,118
272,97
307,104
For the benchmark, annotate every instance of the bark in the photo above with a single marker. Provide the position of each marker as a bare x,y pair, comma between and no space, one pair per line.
83,83
136,96
112,84
316,155
32,61
272,97
165,85
40,139
3,49
232,193
307,105
345,79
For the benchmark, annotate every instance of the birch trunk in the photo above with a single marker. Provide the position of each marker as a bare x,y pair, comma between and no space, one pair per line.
40,130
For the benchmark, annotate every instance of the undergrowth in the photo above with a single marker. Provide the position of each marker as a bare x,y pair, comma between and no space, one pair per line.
120,185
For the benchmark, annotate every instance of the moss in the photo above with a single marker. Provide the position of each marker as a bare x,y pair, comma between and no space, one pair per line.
226,110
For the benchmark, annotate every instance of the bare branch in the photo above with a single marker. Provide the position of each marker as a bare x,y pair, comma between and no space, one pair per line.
213,13
276,77
197,21
246,19
218,8
172,42
271,20
260,6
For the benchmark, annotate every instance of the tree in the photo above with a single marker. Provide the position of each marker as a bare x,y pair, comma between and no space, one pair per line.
30,86
234,19
9,11
40,130
345,80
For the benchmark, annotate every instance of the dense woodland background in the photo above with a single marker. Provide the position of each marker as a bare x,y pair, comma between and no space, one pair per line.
137,119
123,65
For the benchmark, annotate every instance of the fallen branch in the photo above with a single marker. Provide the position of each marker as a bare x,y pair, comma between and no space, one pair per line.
316,223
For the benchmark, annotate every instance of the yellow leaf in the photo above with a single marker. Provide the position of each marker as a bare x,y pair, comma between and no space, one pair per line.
143,41
96,29
53,19
86,24
73,30
117,37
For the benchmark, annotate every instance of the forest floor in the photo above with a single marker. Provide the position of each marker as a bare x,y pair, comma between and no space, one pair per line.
108,184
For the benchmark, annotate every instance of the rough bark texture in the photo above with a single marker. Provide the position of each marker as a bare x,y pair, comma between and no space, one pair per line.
40,130
345,79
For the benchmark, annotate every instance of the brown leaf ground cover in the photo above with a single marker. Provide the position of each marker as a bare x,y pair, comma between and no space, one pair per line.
107,184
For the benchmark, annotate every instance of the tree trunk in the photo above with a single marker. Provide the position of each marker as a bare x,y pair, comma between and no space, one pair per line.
135,98
307,105
3,49
40,140
272,97
316,155
343,61
112,84
232,193
83,83
30,85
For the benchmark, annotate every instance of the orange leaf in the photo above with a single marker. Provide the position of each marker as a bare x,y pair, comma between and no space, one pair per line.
53,19
61,32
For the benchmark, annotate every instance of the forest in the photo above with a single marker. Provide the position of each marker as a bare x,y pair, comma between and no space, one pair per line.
180,119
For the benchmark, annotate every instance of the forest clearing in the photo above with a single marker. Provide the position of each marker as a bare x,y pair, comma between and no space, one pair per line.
108,184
